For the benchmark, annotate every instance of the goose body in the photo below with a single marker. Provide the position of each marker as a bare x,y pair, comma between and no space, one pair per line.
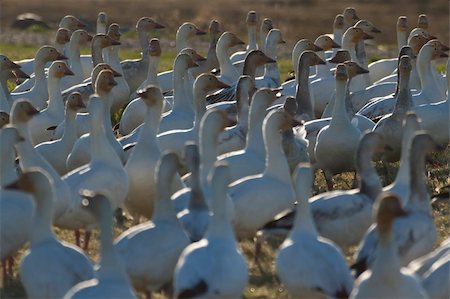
228,73
213,266
328,274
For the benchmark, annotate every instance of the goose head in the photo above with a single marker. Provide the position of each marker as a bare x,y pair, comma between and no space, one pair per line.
154,48
405,65
102,19
422,21
7,64
22,111
152,96
215,121
35,181
407,50
252,18
402,24
338,22
188,30
81,36
309,58
105,82
193,54
229,39
59,69
101,41
266,26
341,56
258,58
353,69
350,16
147,24
423,142
183,61
214,29
274,37
75,102
367,26
416,42
387,207
208,82
10,135
280,120
341,72
71,23
421,31
326,42
434,48
62,36
290,106
114,32
4,119
100,67
48,54
355,35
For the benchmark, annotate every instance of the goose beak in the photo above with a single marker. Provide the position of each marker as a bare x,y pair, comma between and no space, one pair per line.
112,82
60,57
14,185
68,72
335,45
367,36
21,74
81,25
320,61
13,65
443,55
89,38
316,48
444,47
198,57
375,30
270,60
221,85
116,74
159,26
199,32
32,111
238,41
361,70
282,41
115,43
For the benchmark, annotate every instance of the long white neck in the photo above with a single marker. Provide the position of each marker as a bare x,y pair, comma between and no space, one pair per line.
97,56
74,50
337,37
220,222
143,42
208,150
55,101
404,98
252,45
302,96
152,73
113,58
149,129
41,230
70,130
181,41
180,101
226,67
271,69
7,164
303,223
339,115
402,39
429,84
199,108
276,163
39,71
386,265
419,197
369,182
255,140
163,205
322,70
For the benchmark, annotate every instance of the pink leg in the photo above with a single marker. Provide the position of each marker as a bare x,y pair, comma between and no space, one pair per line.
77,237
87,237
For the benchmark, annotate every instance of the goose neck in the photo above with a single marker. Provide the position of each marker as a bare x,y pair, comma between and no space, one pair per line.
249,68
220,221
302,95
303,223
424,70
97,56
208,151
386,264
226,67
150,127
39,71
337,36
322,70
404,98
152,73
181,41
197,200
252,45
339,115
348,102
7,164
163,204
70,129
74,50
276,163
369,182
402,39
419,197
143,42
199,106
43,217
350,46
255,140
55,101
180,100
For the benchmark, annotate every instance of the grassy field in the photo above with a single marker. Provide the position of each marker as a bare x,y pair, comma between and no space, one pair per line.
309,17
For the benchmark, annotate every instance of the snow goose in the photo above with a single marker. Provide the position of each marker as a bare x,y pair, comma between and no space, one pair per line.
433,271
21,113
67,265
430,90
112,280
343,216
338,31
390,126
211,61
228,73
104,173
337,143
233,138
271,76
195,218
150,250
85,90
71,23
435,116
100,42
166,80
53,114
251,160
212,124
386,278
269,193
141,163
56,151
135,71
121,92
384,67
38,94
81,153
214,266
251,22
79,38
415,232
181,116
361,48
308,265
175,140
252,61
16,207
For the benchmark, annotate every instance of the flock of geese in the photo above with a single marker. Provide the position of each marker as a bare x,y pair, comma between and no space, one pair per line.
219,150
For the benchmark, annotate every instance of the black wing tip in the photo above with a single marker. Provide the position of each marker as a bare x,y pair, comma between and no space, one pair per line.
198,289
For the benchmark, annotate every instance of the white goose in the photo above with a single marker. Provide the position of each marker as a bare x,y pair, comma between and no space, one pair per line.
251,22
54,113
271,76
350,17
16,207
386,278
251,159
66,264
56,151
38,94
214,266
368,27
228,73
150,250
111,280
269,193
167,80
307,265
195,218
384,67
415,232
175,140
81,153
337,143
141,163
